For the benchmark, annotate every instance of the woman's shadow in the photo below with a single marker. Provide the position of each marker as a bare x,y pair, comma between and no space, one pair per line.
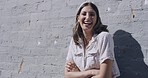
129,56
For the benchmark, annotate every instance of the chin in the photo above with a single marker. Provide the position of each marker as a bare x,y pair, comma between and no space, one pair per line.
87,29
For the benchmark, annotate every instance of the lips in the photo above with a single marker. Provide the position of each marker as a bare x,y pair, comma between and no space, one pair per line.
88,24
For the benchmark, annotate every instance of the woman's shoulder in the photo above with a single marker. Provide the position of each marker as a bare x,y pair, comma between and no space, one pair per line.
103,34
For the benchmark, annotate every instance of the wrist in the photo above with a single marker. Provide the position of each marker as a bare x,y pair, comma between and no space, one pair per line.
87,74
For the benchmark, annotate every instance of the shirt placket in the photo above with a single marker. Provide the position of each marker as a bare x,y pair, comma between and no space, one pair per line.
86,53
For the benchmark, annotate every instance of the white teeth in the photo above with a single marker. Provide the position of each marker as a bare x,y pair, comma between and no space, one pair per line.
87,22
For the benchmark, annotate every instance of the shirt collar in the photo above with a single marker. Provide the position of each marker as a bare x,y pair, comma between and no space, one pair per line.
93,39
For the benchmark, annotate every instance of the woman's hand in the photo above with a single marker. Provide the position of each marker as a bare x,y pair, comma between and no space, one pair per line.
93,73
72,71
71,67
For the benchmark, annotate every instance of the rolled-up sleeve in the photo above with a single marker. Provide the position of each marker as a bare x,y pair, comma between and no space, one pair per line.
106,47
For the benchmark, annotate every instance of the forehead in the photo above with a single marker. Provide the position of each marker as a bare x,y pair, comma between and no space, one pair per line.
87,8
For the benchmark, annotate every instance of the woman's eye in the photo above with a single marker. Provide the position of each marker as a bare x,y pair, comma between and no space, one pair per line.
92,14
83,13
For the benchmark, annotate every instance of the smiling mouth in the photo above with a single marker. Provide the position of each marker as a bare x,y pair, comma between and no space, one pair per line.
88,23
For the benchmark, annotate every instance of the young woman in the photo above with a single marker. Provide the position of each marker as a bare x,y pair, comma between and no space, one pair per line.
91,50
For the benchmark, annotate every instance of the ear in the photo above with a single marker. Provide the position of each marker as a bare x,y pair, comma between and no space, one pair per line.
78,18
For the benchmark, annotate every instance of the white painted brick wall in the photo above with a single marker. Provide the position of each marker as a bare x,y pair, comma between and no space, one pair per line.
35,34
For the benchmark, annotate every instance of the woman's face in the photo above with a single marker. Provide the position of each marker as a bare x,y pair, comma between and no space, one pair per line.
87,18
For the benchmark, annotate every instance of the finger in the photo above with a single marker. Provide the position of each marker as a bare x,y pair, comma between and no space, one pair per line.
68,67
72,65
69,63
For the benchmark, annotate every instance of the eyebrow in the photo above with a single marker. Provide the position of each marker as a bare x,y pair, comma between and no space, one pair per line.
88,12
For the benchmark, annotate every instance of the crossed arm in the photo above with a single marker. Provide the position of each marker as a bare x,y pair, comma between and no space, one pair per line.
105,71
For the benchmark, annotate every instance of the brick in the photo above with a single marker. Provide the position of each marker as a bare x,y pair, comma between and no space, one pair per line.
39,31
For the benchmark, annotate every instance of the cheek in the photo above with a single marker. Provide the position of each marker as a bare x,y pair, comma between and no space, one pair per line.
81,21
95,21
80,18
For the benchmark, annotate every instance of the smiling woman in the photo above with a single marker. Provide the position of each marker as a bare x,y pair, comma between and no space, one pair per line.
91,50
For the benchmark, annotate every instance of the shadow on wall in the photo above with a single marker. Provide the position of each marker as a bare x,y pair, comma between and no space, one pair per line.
129,56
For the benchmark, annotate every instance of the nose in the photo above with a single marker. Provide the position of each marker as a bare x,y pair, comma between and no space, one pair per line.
88,16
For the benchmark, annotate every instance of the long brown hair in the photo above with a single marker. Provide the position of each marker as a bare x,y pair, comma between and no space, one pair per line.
98,28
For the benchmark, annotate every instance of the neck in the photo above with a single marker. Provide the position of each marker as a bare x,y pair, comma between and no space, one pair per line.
87,35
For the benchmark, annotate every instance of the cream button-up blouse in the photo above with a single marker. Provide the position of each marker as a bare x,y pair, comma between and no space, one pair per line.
100,48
